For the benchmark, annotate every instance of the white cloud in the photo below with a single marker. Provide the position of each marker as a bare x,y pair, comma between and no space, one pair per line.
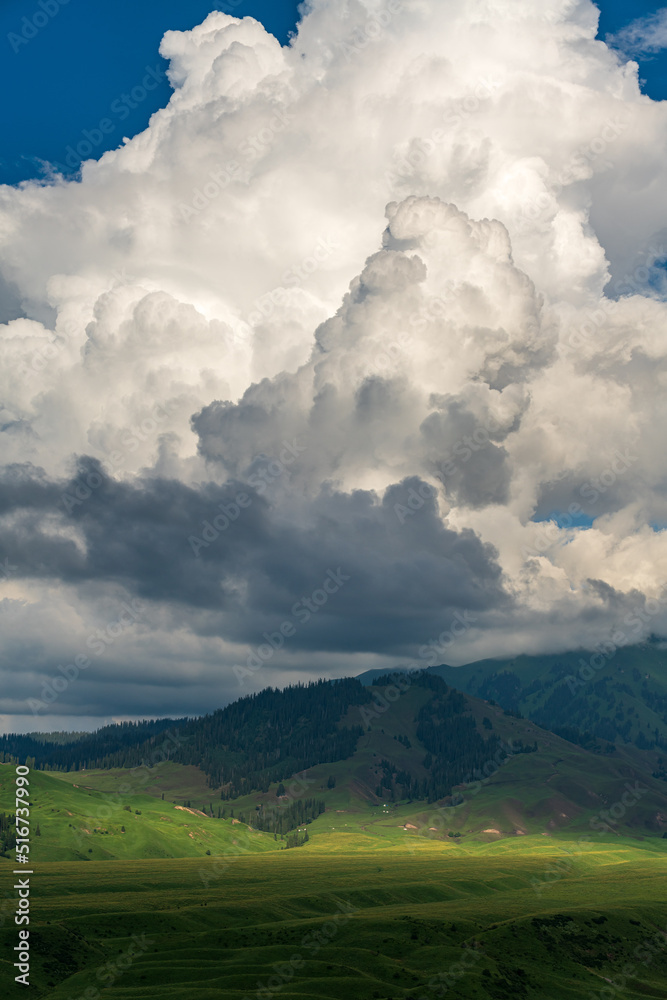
391,242
643,36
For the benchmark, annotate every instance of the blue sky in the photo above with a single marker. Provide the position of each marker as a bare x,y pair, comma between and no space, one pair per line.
66,78
84,55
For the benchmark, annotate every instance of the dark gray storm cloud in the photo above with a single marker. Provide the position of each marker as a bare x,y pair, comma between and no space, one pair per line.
228,549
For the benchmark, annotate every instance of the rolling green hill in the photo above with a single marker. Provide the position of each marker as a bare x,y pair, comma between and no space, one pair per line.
79,822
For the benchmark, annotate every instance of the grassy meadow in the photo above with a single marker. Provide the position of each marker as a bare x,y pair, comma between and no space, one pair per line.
483,921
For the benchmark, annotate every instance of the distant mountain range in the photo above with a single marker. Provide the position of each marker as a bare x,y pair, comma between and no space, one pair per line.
588,697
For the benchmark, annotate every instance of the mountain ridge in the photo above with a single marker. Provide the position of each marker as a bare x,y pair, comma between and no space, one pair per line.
584,695
417,758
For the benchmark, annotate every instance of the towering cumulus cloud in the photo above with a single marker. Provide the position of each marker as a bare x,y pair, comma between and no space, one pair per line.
355,356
